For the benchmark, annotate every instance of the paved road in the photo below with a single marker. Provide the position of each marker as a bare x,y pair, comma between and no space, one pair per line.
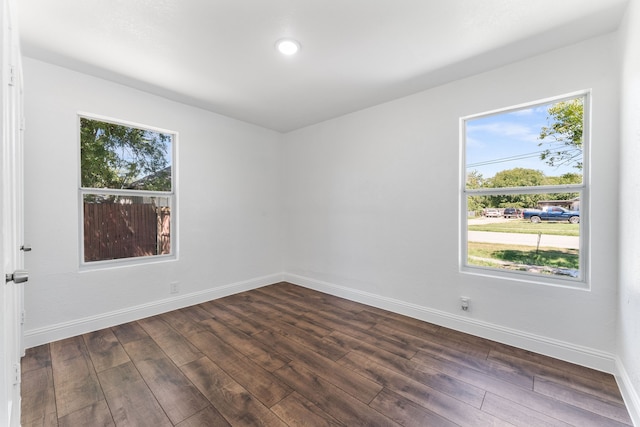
569,242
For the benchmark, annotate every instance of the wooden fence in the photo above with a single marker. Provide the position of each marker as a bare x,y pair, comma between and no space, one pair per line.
114,231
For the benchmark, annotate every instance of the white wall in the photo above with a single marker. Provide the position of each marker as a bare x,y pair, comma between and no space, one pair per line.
629,298
367,204
229,195
371,209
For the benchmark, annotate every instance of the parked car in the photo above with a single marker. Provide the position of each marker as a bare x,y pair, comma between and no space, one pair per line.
552,213
511,213
495,213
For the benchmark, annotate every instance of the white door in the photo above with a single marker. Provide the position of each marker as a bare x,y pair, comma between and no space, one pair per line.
11,221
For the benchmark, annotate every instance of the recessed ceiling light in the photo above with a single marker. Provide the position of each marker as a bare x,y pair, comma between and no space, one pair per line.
288,46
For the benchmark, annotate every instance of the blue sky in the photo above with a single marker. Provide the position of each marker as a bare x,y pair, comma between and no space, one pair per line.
508,140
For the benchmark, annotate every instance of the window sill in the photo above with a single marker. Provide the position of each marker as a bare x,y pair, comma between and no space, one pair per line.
123,263
522,277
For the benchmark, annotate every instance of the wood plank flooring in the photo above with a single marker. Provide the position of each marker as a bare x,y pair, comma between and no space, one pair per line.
284,355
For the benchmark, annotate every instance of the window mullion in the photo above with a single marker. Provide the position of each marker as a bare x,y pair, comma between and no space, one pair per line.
568,188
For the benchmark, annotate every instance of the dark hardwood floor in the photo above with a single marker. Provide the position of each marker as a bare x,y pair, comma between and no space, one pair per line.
285,355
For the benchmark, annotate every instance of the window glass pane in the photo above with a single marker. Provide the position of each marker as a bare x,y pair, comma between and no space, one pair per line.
534,233
540,145
122,157
118,227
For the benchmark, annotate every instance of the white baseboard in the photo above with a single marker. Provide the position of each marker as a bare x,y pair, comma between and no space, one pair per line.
561,350
35,337
629,394
569,352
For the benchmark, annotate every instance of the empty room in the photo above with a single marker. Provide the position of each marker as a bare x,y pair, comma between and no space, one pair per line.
331,213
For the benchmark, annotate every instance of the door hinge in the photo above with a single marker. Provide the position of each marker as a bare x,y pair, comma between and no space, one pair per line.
23,316
16,373
12,75
22,123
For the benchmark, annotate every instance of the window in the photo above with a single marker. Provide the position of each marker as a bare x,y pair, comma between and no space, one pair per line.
127,192
524,191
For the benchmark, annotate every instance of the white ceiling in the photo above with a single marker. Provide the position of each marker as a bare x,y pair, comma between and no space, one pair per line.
220,54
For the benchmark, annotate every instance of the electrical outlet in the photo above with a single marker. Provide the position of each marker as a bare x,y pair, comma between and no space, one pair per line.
464,303
174,287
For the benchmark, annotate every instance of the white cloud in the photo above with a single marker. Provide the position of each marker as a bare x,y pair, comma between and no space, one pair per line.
507,129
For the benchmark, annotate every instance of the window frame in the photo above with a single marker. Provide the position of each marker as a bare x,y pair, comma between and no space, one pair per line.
171,195
582,282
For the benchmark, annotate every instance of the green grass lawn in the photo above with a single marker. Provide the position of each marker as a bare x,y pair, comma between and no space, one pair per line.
550,257
527,227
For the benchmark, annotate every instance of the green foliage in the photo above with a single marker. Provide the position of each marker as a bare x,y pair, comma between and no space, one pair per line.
567,178
563,135
518,177
515,200
117,157
475,203
474,179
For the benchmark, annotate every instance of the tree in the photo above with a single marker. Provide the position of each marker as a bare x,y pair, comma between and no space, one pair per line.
116,157
516,177
521,177
567,178
474,179
475,203
563,135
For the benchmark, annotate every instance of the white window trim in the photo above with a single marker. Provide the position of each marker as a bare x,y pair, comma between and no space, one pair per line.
583,281
173,195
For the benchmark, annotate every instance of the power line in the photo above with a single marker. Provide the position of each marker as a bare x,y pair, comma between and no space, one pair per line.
507,159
